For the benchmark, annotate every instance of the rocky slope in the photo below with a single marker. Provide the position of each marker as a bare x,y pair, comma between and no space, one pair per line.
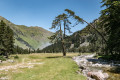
29,37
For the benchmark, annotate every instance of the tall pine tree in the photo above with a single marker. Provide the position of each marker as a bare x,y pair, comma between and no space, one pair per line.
111,21
6,39
2,29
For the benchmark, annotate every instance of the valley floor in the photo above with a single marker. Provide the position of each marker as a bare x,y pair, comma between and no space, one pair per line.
41,67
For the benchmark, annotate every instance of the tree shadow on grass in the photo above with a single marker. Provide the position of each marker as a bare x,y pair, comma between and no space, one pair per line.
51,57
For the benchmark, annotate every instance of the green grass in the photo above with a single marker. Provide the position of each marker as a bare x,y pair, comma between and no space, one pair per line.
40,35
31,41
20,44
54,67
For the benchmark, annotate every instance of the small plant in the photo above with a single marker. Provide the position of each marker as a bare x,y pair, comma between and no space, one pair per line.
95,56
2,58
16,57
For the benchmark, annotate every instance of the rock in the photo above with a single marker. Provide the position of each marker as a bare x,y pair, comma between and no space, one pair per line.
99,65
81,67
98,75
90,67
106,75
79,71
0,61
90,78
6,70
11,61
85,72
4,61
4,78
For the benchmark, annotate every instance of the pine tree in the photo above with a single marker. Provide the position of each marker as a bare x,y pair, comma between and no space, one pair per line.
111,21
2,29
80,20
60,35
6,39
10,36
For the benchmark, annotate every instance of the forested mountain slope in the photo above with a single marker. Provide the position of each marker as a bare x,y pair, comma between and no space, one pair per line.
85,40
29,37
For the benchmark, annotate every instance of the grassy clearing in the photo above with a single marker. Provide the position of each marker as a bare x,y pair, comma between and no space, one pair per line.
54,67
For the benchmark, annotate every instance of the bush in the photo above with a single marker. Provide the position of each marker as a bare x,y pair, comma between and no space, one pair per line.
16,57
2,58
106,57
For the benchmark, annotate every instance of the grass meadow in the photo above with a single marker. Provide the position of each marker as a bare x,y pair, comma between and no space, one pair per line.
51,67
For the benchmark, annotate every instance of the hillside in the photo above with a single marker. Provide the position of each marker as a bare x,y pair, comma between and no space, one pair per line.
85,40
29,37
77,39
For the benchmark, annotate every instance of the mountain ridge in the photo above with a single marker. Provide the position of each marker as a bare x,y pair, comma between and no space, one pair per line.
29,37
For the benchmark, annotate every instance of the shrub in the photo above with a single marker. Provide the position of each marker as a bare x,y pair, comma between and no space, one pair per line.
16,57
2,58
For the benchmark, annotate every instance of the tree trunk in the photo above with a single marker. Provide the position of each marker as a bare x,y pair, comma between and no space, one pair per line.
64,29
96,31
53,48
63,45
6,54
64,51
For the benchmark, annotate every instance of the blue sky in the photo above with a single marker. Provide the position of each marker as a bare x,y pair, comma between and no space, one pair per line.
42,12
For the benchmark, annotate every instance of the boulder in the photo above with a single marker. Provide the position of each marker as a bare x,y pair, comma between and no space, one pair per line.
98,75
